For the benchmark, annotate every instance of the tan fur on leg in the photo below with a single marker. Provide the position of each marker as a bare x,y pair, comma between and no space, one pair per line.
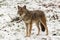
37,24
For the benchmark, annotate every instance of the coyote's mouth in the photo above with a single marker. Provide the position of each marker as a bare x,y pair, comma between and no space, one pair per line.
22,16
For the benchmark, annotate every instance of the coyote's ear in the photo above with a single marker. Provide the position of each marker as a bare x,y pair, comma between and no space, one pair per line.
24,6
19,7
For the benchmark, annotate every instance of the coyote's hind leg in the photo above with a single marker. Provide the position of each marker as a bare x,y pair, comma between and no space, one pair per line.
37,24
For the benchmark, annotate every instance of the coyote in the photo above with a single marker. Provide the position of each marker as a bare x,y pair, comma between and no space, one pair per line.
30,17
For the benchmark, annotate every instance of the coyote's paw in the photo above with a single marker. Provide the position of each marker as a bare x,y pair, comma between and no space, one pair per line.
46,33
37,34
27,36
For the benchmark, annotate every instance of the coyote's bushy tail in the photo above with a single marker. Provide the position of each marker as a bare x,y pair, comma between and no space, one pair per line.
42,27
43,20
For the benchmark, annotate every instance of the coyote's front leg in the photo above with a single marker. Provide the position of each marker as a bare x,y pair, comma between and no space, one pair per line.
30,29
26,29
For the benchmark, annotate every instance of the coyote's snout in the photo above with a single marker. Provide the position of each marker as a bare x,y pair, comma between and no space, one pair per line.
29,17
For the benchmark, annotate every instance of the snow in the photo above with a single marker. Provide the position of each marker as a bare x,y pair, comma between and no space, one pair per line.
16,31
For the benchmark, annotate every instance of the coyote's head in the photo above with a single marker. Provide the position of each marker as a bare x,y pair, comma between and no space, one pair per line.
22,11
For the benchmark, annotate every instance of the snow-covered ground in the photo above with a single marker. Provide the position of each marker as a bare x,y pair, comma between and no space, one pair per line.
16,31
